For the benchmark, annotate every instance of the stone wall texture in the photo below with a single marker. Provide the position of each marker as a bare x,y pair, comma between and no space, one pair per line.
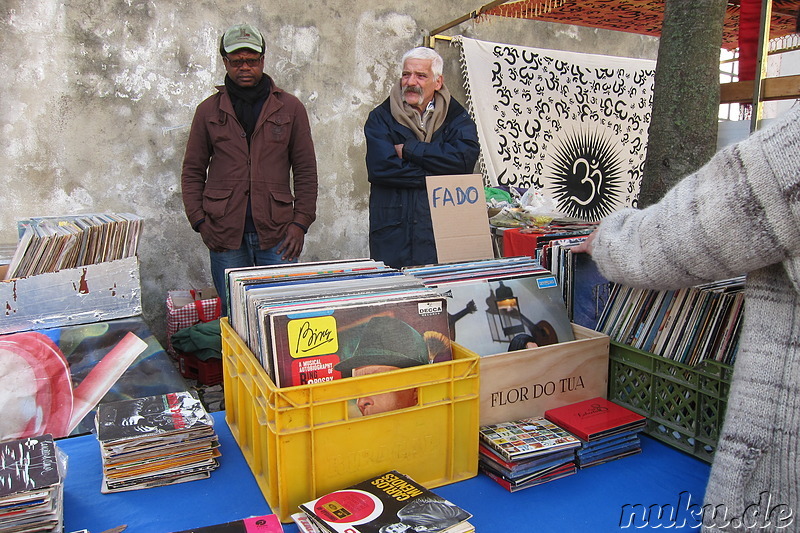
98,95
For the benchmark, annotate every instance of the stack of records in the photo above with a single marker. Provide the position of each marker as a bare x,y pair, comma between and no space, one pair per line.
31,485
527,452
53,243
608,430
154,441
313,322
390,502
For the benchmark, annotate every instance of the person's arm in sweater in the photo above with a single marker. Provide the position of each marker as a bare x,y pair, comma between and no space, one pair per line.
737,213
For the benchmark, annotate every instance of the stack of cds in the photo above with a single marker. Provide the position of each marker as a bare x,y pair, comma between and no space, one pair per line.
527,452
608,430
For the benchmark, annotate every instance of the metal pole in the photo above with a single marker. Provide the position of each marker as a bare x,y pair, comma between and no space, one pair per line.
473,14
761,64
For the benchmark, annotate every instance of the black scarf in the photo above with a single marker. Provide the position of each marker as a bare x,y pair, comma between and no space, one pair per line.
248,101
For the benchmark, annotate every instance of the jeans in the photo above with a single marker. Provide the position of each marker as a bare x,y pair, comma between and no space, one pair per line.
248,255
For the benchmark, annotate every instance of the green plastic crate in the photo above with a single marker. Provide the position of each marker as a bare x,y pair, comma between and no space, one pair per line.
684,405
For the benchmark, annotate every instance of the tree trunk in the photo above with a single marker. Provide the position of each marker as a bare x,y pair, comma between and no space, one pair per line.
683,128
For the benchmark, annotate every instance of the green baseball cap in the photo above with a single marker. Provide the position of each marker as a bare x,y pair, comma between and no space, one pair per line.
242,36
387,341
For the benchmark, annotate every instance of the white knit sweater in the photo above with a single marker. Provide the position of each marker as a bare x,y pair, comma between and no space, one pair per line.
738,214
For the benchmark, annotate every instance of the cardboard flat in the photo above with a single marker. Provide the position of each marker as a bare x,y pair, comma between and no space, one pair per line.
82,295
458,212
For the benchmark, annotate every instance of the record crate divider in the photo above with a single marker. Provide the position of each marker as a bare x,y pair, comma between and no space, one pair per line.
684,405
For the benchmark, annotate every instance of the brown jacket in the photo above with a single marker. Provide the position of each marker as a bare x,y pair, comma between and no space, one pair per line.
220,171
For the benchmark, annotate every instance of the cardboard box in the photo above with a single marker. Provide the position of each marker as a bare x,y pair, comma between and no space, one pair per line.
181,298
82,295
528,382
458,213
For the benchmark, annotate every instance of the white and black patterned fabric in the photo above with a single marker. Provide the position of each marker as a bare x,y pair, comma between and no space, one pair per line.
572,124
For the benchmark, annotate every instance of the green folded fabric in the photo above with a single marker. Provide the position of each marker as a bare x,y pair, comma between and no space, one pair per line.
203,340
500,195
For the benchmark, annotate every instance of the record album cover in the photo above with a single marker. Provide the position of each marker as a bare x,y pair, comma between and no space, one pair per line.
327,342
388,502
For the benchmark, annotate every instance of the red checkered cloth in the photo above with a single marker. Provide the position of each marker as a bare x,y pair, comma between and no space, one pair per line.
190,314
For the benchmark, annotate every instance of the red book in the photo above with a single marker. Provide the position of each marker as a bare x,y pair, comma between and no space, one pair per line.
595,418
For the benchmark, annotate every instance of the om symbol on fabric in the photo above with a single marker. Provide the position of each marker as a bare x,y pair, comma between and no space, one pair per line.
586,176
573,125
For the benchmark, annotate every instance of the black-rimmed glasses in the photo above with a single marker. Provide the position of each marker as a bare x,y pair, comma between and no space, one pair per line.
251,62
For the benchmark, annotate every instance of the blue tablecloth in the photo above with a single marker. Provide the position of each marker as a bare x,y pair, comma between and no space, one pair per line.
592,501
229,494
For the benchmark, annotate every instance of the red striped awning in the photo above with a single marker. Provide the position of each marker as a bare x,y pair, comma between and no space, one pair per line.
639,16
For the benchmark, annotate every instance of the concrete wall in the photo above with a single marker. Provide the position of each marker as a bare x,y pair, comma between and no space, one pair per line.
97,98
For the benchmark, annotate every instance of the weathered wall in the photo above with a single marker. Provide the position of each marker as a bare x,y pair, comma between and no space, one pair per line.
97,98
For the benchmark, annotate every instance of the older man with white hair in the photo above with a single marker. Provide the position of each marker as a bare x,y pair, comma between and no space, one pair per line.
418,131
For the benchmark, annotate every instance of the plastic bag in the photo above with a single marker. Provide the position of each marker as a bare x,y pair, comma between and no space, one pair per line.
540,208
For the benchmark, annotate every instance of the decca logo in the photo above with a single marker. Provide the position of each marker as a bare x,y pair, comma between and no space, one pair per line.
430,308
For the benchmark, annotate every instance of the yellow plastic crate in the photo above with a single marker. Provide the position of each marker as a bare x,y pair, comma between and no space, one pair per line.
303,442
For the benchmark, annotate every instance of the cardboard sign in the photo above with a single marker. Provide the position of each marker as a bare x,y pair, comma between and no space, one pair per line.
458,212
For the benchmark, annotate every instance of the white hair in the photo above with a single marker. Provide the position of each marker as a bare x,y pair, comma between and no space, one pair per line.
423,52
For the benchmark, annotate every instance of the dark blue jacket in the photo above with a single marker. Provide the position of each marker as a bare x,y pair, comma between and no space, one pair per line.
400,230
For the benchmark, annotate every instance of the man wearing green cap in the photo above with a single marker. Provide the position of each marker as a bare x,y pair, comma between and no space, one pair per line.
387,343
249,179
